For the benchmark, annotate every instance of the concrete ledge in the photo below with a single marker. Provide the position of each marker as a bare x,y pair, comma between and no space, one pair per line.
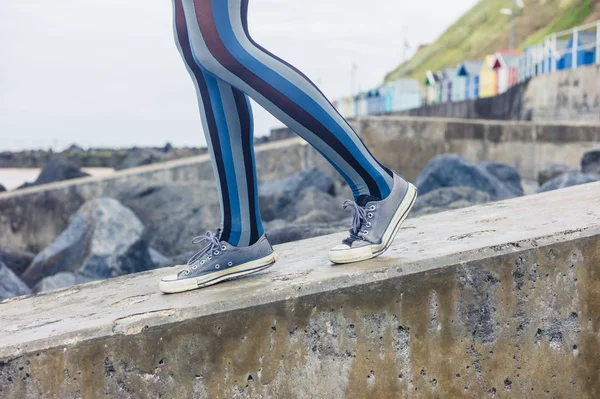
30,219
500,299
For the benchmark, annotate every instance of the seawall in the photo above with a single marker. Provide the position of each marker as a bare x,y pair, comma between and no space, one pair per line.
32,218
498,300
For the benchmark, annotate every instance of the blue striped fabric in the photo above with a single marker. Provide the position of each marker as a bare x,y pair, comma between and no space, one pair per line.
226,66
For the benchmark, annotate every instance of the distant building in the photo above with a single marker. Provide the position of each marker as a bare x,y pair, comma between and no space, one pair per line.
432,88
506,65
488,78
401,95
586,50
449,76
467,84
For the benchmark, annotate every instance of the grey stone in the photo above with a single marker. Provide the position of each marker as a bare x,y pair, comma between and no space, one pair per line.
447,198
553,171
10,284
451,170
506,174
313,201
59,280
2,188
590,162
174,213
104,239
529,186
568,180
275,195
16,260
279,231
58,168
140,157
158,259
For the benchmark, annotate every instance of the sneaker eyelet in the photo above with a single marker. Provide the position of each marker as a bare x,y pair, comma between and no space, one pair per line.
216,252
223,247
209,256
217,266
366,232
194,267
368,224
372,208
202,261
230,263
370,215
187,272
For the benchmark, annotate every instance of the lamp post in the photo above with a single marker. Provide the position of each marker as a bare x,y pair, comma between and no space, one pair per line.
511,12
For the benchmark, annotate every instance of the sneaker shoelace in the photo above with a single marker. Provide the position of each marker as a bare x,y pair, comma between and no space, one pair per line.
359,218
213,247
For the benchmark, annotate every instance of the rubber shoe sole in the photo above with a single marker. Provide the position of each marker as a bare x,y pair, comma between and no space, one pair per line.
370,251
172,286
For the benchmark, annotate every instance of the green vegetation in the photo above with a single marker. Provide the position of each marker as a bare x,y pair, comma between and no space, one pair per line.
483,30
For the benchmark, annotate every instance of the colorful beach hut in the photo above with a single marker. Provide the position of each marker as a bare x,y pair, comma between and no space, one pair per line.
402,94
506,65
488,78
585,51
449,76
432,88
376,100
467,84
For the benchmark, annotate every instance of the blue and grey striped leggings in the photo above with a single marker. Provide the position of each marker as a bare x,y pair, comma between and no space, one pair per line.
226,66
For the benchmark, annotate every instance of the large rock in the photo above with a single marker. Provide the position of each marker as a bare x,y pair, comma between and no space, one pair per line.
451,170
140,157
10,284
2,188
568,180
174,213
313,201
104,239
590,162
59,280
275,195
16,260
279,231
446,198
507,175
58,168
552,171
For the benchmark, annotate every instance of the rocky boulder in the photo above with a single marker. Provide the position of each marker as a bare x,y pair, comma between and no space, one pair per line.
590,162
500,181
446,198
568,180
16,260
174,213
59,280
279,231
2,188
552,171
104,239
140,157
58,168
276,195
10,284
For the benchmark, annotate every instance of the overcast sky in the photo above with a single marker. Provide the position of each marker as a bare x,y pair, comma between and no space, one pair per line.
107,72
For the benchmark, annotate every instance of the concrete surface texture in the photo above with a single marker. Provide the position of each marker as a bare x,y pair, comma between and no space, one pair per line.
30,219
498,300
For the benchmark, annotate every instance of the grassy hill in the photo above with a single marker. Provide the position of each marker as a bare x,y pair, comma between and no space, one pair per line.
482,30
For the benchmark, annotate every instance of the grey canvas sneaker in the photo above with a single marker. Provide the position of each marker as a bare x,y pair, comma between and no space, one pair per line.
375,223
219,261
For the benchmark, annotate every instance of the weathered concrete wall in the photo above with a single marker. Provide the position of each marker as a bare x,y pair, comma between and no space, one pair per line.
503,303
30,219
568,95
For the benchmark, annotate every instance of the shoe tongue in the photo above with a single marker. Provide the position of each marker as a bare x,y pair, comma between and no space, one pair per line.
364,199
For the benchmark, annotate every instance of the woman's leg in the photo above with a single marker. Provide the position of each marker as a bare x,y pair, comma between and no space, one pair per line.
221,43
227,120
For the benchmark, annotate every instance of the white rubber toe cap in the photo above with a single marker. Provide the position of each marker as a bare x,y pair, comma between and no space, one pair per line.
345,254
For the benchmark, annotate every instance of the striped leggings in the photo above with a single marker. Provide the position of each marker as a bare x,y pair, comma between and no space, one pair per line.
227,66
